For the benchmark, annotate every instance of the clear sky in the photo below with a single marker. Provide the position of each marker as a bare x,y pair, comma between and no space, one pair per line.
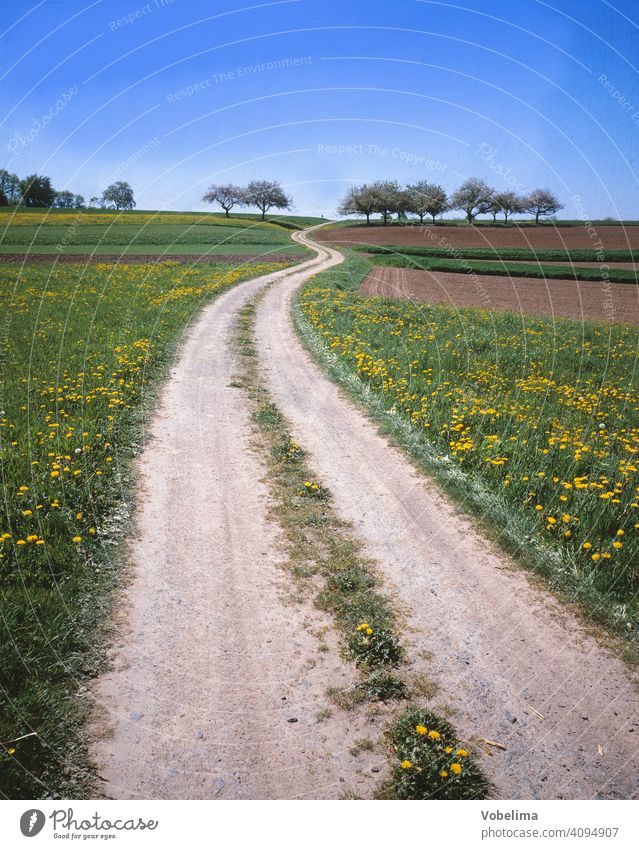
171,95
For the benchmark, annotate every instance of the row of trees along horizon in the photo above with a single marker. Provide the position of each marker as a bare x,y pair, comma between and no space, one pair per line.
382,197
474,196
387,197
37,190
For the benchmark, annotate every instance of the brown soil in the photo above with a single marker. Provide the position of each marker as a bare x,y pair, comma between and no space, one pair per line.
131,259
560,298
533,238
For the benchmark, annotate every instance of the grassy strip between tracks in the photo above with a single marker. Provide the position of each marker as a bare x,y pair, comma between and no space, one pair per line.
83,350
427,759
530,424
509,269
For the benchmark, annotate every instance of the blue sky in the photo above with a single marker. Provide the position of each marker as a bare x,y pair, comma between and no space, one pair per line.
174,95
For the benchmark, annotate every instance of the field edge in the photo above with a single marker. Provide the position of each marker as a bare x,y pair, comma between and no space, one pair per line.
510,531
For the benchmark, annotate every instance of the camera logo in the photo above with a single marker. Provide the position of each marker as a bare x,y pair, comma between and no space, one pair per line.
32,822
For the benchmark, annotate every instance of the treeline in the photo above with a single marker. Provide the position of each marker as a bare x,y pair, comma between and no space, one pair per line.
474,197
36,190
263,194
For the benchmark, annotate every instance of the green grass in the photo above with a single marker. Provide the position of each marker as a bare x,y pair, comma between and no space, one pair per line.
291,222
136,232
507,269
493,253
299,221
83,350
213,251
531,423
429,761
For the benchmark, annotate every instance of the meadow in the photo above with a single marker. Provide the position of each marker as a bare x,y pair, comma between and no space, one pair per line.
83,350
531,422
91,232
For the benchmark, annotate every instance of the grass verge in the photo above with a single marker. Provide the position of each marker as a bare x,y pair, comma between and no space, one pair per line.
83,351
320,545
531,427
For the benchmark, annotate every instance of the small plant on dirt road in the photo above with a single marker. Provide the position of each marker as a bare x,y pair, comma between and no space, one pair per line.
310,489
375,647
430,763
288,451
383,686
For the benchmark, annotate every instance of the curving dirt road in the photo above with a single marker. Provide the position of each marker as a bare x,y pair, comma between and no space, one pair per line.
215,661
501,649
217,682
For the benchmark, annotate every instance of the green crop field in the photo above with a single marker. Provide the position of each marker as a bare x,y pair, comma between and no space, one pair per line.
539,271
505,254
90,232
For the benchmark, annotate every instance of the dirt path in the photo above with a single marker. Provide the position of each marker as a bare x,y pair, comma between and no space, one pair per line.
502,652
217,682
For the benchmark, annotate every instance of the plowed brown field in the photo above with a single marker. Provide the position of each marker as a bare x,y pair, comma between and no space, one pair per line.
561,298
613,237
